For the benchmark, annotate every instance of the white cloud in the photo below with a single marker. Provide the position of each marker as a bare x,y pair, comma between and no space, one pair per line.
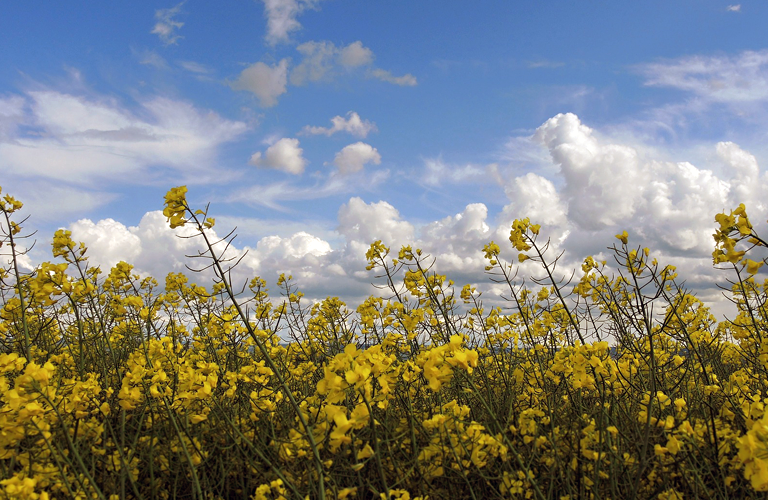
297,246
734,8
64,114
605,186
353,157
385,76
155,250
355,54
352,125
324,61
285,155
319,60
107,239
457,241
151,246
746,184
78,139
166,25
281,18
594,187
534,196
603,182
266,82
362,224
737,79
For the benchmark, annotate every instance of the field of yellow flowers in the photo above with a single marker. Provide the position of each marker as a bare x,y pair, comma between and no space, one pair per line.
614,386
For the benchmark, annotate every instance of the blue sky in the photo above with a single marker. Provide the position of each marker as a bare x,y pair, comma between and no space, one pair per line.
317,126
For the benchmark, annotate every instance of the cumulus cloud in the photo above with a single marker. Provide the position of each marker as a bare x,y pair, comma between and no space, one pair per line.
607,185
603,182
296,246
457,242
746,183
155,249
362,224
166,25
352,125
355,156
108,239
324,62
74,138
604,186
319,268
285,155
151,246
534,196
355,54
281,18
726,79
319,59
266,82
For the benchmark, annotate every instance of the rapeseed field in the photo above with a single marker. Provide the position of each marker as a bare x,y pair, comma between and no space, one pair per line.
615,385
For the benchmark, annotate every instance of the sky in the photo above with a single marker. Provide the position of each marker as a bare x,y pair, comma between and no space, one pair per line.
316,127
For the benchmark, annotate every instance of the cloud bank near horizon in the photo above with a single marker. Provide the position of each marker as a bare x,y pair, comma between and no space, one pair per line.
600,188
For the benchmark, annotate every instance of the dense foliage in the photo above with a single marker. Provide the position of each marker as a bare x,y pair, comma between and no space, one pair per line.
617,385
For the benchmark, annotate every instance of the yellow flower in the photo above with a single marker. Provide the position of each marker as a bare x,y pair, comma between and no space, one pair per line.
752,266
196,419
674,445
175,206
346,492
366,452
753,454
623,237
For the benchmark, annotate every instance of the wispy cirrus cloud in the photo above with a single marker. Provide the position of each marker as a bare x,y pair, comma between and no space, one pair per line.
195,67
438,173
73,143
278,195
166,25
150,58
281,18
545,63
728,79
